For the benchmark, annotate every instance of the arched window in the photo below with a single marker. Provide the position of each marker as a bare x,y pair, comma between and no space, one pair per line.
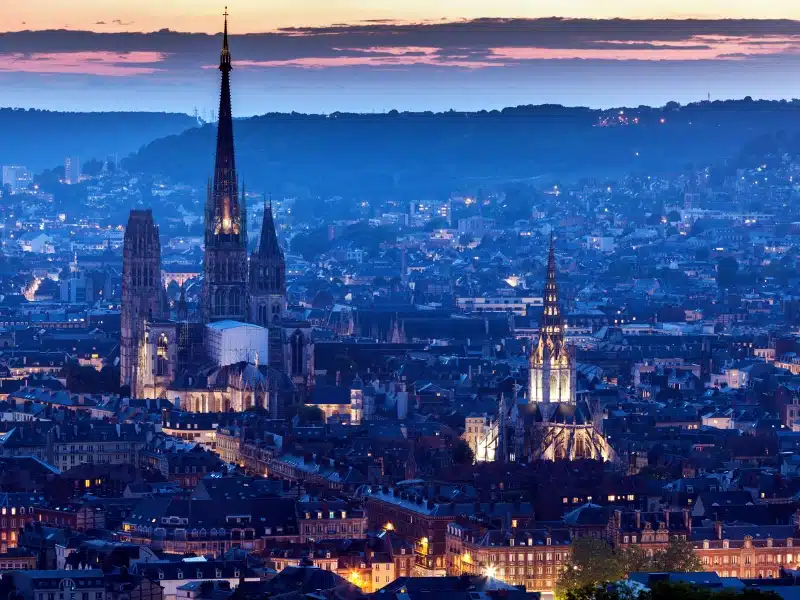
297,352
219,302
162,356
235,302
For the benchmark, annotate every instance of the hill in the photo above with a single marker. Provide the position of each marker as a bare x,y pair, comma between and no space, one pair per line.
400,154
42,139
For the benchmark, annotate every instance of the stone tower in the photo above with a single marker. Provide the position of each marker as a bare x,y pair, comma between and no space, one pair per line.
225,289
552,361
267,276
141,290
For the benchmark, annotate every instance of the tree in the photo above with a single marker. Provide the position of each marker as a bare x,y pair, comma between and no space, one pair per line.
727,269
605,591
594,562
665,590
308,413
679,557
462,453
591,562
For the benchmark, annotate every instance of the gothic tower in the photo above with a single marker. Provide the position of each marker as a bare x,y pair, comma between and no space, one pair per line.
552,361
225,290
267,276
141,290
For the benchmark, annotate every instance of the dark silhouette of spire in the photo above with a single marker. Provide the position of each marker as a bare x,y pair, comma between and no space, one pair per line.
552,323
226,206
267,283
268,246
225,293
225,155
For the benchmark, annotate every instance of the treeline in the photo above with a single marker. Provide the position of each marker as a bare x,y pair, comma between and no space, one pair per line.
400,154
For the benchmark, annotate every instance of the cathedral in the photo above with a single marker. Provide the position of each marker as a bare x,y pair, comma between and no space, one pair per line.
163,358
554,424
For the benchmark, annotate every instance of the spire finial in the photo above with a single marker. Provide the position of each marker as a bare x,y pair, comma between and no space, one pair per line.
225,57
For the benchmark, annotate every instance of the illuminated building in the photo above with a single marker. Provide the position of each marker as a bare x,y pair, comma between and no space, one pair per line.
522,556
225,290
554,425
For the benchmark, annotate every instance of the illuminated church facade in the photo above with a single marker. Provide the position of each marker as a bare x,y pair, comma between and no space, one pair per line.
554,424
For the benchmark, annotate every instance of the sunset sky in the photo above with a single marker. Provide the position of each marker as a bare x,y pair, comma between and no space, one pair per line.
364,55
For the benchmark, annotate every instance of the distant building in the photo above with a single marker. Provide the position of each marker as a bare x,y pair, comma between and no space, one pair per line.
16,177
72,170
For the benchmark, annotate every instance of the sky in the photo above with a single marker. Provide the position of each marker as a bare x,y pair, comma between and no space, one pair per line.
376,55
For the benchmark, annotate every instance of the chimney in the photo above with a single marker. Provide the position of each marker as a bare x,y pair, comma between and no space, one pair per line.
666,518
638,514
687,519
718,529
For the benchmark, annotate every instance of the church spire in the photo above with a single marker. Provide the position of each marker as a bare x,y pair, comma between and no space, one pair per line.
225,55
226,209
225,290
552,323
268,245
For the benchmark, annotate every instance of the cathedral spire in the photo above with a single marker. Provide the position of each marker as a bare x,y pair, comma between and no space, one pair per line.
552,324
268,245
226,207
225,292
225,55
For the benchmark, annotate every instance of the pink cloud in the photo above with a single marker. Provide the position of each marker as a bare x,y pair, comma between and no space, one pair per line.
110,64
717,48
709,47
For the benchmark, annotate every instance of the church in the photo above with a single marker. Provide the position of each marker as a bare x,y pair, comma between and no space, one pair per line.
554,424
162,358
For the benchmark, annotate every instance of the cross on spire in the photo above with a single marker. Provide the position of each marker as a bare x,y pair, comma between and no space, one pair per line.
225,56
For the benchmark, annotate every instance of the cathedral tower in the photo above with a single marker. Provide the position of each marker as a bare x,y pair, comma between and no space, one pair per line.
552,362
267,276
141,290
225,290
